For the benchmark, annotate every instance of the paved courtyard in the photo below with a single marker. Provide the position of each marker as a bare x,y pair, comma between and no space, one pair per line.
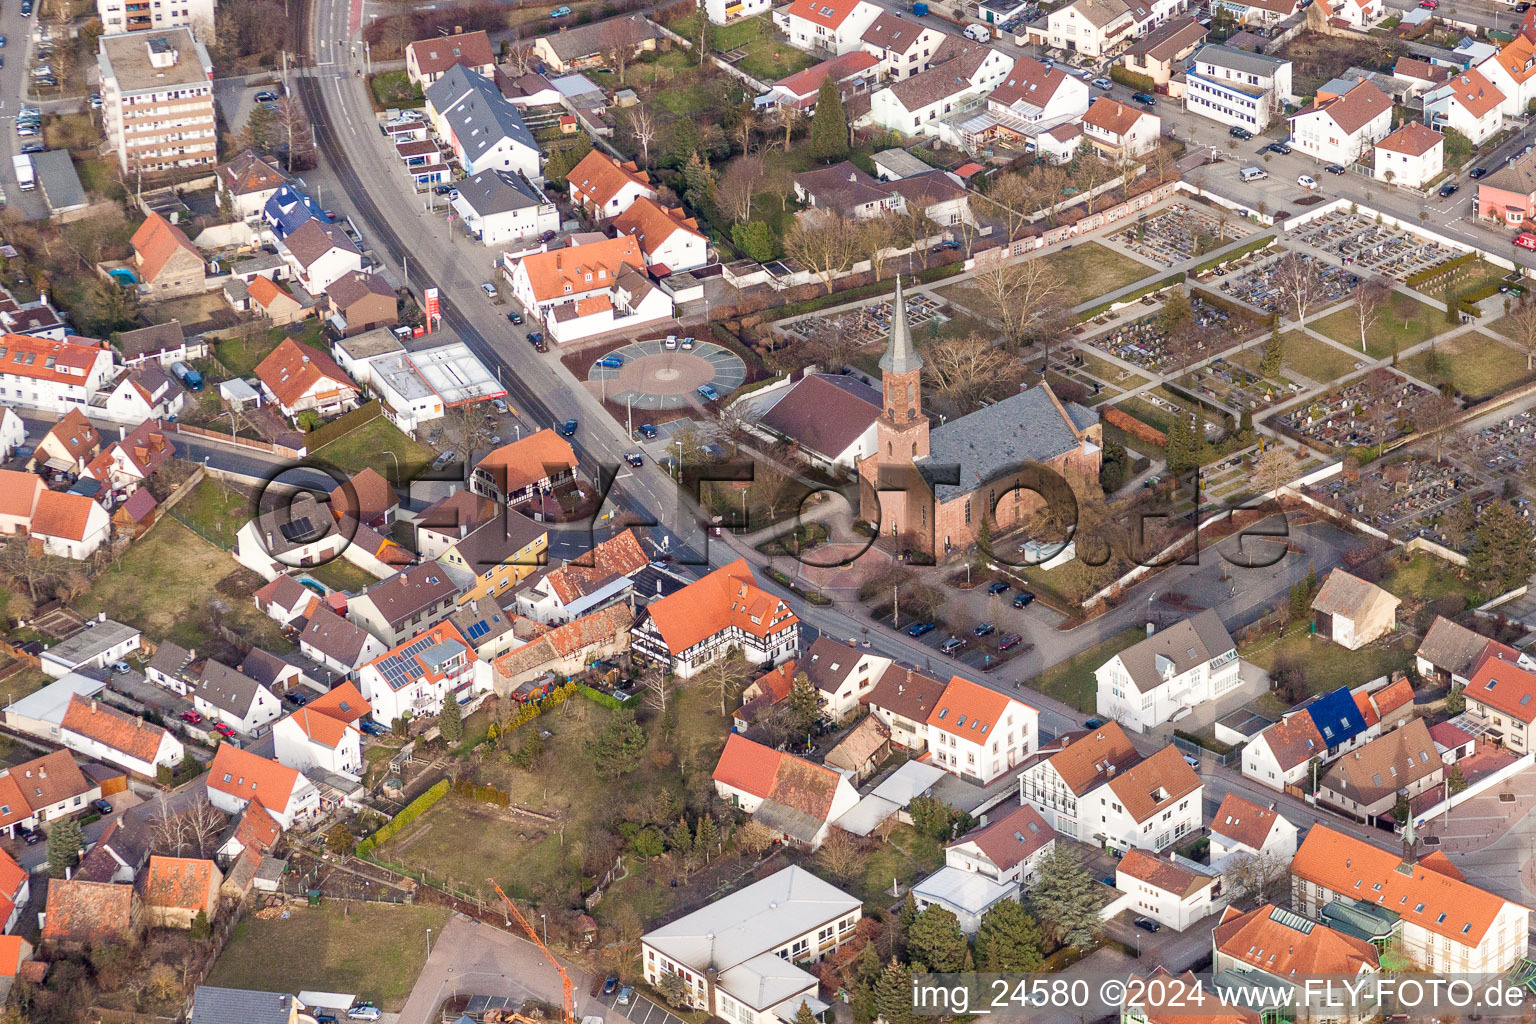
655,377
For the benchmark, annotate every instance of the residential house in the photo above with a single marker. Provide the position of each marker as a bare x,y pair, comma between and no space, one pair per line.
1419,76
978,733
1513,72
669,240
367,498
361,301
1412,156
1030,102
517,473
18,497
1270,948
1368,782
1259,13
51,376
337,644
289,208
136,515
596,579
496,556
797,799
303,533
230,696
1450,653
1170,893
319,253
485,131
81,915
841,674
285,599
721,12
427,60
903,700
767,690
1236,87
589,45
249,181
834,25
847,191
145,392
901,45
242,1006
1469,104
300,378
1121,131
1058,785
1445,923
1281,755
96,730
238,778
177,889
69,525
43,789
491,632
1342,128
450,519
1158,999
135,457
69,445
527,90
278,676
1351,612
1500,696
405,603
312,738
1094,28
930,102
986,866
168,265
1508,195
98,645
737,956
12,432
1161,53
1359,15
531,669
165,344
15,892
276,303
412,679
604,187
1386,708
853,74
586,290
498,206
170,666
693,628
344,702
828,417
1184,666
861,752
1241,829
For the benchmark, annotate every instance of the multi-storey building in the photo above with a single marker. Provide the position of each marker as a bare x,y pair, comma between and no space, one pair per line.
157,100
1235,87
1185,665
119,16
695,627
52,376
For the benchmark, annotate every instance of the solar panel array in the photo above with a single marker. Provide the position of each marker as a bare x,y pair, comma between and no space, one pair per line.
478,630
401,668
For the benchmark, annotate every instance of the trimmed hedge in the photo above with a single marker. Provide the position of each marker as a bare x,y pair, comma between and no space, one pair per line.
1423,276
413,810
1235,308
1147,289
606,700
1125,76
1253,245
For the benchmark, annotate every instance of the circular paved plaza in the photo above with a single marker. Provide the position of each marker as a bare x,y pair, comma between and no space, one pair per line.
653,377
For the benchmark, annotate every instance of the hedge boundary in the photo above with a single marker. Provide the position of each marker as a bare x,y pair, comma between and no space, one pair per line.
1139,429
1133,79
1253,245
413,810
1424,276
865,291
1148,289
602,699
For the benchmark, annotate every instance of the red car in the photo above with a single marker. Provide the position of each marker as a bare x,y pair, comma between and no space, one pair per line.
191,716
1429,5
224,730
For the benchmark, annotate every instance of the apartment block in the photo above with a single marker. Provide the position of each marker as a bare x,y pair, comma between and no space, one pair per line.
118,16
157,100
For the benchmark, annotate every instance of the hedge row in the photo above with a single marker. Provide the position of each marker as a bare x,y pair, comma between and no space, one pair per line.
1125,76
1422,276
1138,429
482,794
1147,289
413,810
866,291
606,700
1235,308
1253,245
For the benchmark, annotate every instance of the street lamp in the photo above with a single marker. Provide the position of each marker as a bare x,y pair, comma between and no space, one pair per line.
545,922
429,943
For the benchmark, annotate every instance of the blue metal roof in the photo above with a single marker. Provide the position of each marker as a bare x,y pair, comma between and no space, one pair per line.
1336,716
288,208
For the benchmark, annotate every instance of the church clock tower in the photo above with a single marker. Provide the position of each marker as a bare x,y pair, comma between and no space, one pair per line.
902,429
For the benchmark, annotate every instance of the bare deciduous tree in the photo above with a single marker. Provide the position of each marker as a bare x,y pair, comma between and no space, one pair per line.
1435,415
1369,297
1258,877
788,117
839,854
825,244
1297,280
642,128
1274,469
1021,295
964,371
1522,330
739,185
1012,198
520,60
878,238
754,837
658,689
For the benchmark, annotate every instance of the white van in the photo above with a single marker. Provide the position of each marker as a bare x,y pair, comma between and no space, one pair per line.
1306,181
980,33
1254,173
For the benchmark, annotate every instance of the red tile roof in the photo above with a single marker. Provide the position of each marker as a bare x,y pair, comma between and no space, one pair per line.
244,775
968,710
156,241
60,362
598,178
87,912
1413,138
1243,821
469,49
181,883
727,597
1503,685
1267,940
747,765
132,736
292,369
344,703
827,13
1011,839
529,460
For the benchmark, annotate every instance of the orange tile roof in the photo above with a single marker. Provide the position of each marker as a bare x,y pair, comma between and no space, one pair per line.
774,775
747,765
1243,821
1086,760
12,877
320,728
246,776
257,830
968,710
1165,1004
1518,58
827,13
652,224
1294,740
598,178
14,804
1266,940
13,950
264,291
619,555
1424,895
108,726
1367,711
18,493
1393,696
248,173
727,597
1154,784
581,268
516,465
47,780
1354,109
370,497
344,702
593,304
1112,116
61,362
76,434
1474,92
180,883
292,369
87,912
155,242
1163,874
1503,685
62,515
1413,138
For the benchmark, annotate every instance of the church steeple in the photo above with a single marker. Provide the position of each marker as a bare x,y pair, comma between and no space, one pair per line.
903,426
900,356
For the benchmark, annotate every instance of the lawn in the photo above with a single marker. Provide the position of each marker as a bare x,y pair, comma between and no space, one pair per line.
1091,270
394,89
1072,682
1327,665
171,584
768,57
1427,578
373,949
1303,355
1475,364
215,510
366,446
240,356
340,574
1403,323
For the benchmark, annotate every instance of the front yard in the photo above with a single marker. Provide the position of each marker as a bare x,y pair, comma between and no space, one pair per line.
370,447
1072,681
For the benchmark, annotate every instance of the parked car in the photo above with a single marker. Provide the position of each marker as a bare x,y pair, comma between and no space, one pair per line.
296,698
1103,83
920,629
1478,172
687,344
122,668
611,362
266,96
101,806
325,1018
536,339
985,629
501,406
1239,133
445,459
489,289
568,428
1146,924
708,393
32,837
669,344
610,986
371,727
636,459
647,431
1144,99
549,236
95,96
191,717
1449,189
1306,181
514,318
1522,7
1334,169
2,42
560,12
1023,599
442,190
1429,5
1010,641
1193,762
951,645
1277,147
998,588
625,994
31,147
364,1011
224,730
948,245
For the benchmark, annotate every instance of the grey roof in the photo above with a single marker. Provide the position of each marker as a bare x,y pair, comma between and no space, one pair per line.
153,339
170,659
407,593
1180,647
227,688
1239,60
1517,176
824,413
1348,595
1452,647
498,192
481,621
212,1005
1028,426
1169,39
584,40
90,643
900,162
828,663
263,666
478,113
334,636
257,263
61,185
900,355
790,821
1099,13
313,239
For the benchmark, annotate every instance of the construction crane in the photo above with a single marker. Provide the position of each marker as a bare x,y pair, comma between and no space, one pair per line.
565,979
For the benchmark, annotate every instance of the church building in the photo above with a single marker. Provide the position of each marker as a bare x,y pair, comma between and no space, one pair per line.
930,487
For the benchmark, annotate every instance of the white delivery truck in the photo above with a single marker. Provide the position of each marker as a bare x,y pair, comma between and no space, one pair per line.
24,176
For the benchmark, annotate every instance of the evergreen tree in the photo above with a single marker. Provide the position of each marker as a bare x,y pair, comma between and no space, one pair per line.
700,183
804,704
1270,361
685,140
1008,940
983,541
867,972
804,1015
680,838
754,238
908,911
829,125
1311,579
1065,899
1178,451
1501,557
1197,437
65,841
201,929
451,720
893,995
618,746
707,836
1245,423
1455,701
936,940
1455,779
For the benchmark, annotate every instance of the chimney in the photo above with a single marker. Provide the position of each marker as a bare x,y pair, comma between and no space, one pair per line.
122,433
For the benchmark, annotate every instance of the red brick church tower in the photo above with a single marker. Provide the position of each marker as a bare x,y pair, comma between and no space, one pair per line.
893,494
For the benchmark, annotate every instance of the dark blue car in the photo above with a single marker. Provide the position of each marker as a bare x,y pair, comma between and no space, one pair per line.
920,628
568,428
